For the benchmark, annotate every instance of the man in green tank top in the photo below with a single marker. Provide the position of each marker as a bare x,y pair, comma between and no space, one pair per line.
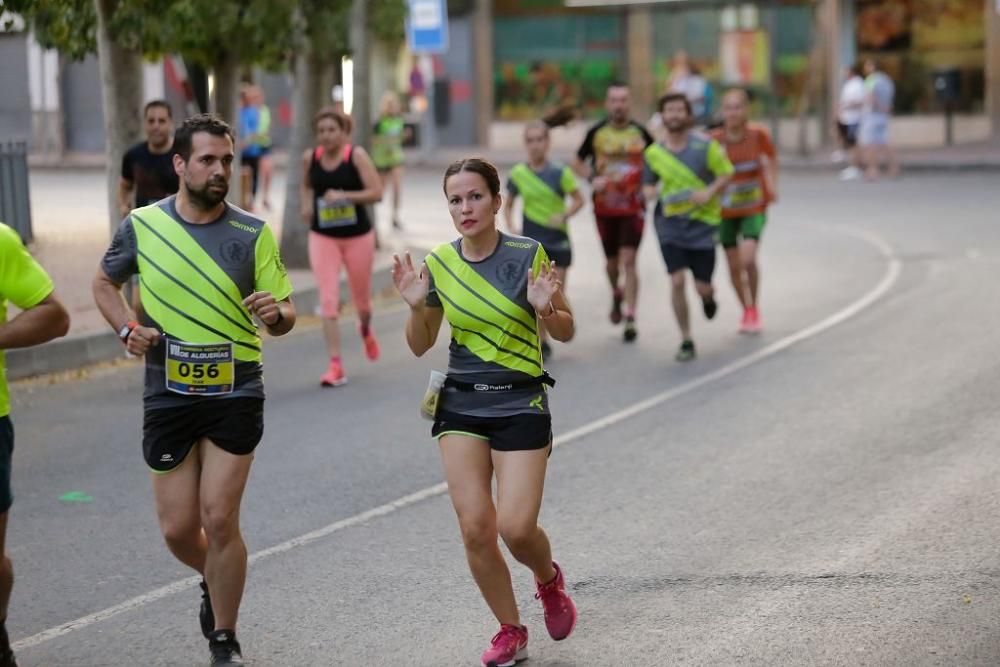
207,270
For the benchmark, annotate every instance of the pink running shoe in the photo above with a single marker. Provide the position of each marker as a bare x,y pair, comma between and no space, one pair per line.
745,322
334,375
507,648
371,345
560,612
753,326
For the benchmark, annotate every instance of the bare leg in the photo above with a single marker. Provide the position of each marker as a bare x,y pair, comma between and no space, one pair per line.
6,569
223,479
520,482
680,304
265,177
396,176
627,256
331,332
611,266
468,469
748,257
736,275
178,508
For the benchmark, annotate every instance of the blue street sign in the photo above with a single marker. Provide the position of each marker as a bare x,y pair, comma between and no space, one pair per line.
427,26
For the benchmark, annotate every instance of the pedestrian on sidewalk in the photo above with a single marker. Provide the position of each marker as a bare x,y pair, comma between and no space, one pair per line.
148,168
339,181
745,199
25,284
873,135
207,269
262,138
849,111
544,186
685,173
387,150
611,159
492,416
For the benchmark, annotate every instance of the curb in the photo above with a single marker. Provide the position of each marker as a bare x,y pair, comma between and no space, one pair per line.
85,349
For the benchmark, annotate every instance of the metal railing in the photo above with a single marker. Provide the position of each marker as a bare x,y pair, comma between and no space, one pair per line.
15,202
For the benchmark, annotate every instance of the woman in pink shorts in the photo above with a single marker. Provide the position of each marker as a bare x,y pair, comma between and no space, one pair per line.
338,182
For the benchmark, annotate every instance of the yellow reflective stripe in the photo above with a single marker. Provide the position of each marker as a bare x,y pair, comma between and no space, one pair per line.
179,254
568,181
487,296
541,202
189,295
184,326
675,176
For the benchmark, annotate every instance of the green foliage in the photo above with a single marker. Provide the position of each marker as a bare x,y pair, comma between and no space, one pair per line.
67,25
386,20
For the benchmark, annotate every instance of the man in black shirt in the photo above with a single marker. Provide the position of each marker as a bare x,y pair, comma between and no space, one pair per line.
148,168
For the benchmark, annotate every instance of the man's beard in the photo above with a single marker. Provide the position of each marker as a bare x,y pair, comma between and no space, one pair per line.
205,197
676,125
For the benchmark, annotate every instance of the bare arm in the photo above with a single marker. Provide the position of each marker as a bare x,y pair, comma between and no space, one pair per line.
306,195
111,303
559,322
650,191
771,176
576,203
582,169
36,325
125,200
422,328
372,192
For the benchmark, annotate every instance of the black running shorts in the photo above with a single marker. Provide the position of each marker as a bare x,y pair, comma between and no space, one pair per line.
234,424
701,262
505,434
6,456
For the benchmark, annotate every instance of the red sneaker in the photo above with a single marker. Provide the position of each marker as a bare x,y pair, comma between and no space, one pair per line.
372,350
334,375
507,648
745,322
754,326
560,612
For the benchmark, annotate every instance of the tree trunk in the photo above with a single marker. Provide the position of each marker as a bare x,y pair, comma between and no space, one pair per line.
227,105
121,79
361,56
312,81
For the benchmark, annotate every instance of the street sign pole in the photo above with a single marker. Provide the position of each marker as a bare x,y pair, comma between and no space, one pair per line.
427,34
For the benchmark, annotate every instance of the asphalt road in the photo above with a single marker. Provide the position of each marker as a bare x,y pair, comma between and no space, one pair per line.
834,502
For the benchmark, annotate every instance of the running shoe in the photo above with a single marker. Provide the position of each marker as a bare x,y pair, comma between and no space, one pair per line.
745,322
507,648
753,326
630,332
710,307
372,349
224,648
560,612
546,350
686,351
616,306
334,375
205,615
6,654
851,173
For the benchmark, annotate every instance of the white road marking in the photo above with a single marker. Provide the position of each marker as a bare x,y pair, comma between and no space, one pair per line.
889,278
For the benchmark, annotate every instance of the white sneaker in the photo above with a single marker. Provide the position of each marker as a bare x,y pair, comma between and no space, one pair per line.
851,173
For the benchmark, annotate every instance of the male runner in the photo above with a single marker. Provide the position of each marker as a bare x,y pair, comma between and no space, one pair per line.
25,284
147,168
611,156
744,201
206,270
691,170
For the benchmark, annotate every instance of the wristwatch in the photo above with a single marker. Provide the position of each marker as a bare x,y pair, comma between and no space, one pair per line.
126,331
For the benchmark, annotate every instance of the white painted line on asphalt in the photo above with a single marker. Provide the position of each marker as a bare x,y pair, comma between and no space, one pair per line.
892,273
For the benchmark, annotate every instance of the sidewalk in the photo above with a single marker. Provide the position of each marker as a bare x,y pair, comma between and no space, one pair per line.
964,157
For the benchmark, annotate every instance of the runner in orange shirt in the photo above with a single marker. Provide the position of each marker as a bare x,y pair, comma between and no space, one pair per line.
745,200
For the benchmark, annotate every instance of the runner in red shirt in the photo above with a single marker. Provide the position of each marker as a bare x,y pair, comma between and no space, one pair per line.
745,200
611,158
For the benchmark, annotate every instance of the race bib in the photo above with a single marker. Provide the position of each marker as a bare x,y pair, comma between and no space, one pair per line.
200,369
335,214
743,195
676,203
